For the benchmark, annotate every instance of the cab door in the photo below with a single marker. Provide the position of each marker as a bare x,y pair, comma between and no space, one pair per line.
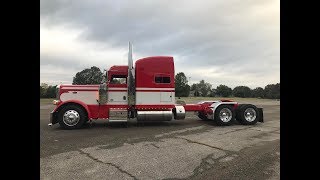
117,90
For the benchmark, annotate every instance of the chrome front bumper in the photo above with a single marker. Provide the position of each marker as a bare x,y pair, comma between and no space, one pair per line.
52,119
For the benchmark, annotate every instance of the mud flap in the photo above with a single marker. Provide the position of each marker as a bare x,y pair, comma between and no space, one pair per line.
260,111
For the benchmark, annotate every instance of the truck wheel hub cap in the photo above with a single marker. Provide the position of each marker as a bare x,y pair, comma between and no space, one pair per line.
71,117
250,114
225,115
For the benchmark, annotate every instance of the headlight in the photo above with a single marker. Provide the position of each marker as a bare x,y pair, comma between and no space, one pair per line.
55,102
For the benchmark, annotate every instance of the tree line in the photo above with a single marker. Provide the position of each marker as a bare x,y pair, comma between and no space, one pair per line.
94,75
47,91
205,89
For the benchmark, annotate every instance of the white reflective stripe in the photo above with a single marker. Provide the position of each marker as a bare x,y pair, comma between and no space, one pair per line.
91,88
116,97
90,97
161,98
154,88
112,88
117,88
81,88
87,97
117,103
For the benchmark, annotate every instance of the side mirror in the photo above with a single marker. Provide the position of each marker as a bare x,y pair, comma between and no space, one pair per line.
105,76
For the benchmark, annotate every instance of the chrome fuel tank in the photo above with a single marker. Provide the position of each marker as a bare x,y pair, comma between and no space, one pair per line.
154,115
179,112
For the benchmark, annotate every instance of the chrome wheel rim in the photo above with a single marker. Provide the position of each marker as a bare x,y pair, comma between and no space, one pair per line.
225,115
71,117
250,114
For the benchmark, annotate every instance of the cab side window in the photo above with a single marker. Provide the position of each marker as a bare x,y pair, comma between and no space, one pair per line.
162,79
118,79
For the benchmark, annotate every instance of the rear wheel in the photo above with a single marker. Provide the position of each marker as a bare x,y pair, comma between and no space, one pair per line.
247,114
224,115
71,117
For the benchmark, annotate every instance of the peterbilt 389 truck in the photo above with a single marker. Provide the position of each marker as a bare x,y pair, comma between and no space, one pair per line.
144,91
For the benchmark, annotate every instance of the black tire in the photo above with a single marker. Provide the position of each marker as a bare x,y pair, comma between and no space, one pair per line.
77,113
252,110
224,109
238,111
202,116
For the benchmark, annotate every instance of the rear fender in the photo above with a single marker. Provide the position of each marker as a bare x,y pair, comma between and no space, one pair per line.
215,105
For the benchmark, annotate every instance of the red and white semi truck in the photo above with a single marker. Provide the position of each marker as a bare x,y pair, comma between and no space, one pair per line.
145,92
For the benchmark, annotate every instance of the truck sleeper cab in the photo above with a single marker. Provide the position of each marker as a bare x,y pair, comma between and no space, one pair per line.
145,92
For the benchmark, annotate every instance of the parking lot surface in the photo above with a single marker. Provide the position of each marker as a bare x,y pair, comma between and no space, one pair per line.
179,149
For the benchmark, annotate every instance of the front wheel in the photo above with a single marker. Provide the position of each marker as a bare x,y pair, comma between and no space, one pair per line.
224,115
71,117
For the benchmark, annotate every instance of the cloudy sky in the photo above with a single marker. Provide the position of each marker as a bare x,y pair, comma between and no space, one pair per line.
231,42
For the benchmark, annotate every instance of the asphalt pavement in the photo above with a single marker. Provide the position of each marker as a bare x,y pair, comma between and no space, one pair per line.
178,149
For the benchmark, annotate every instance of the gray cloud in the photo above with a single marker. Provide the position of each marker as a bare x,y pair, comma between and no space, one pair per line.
239,37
